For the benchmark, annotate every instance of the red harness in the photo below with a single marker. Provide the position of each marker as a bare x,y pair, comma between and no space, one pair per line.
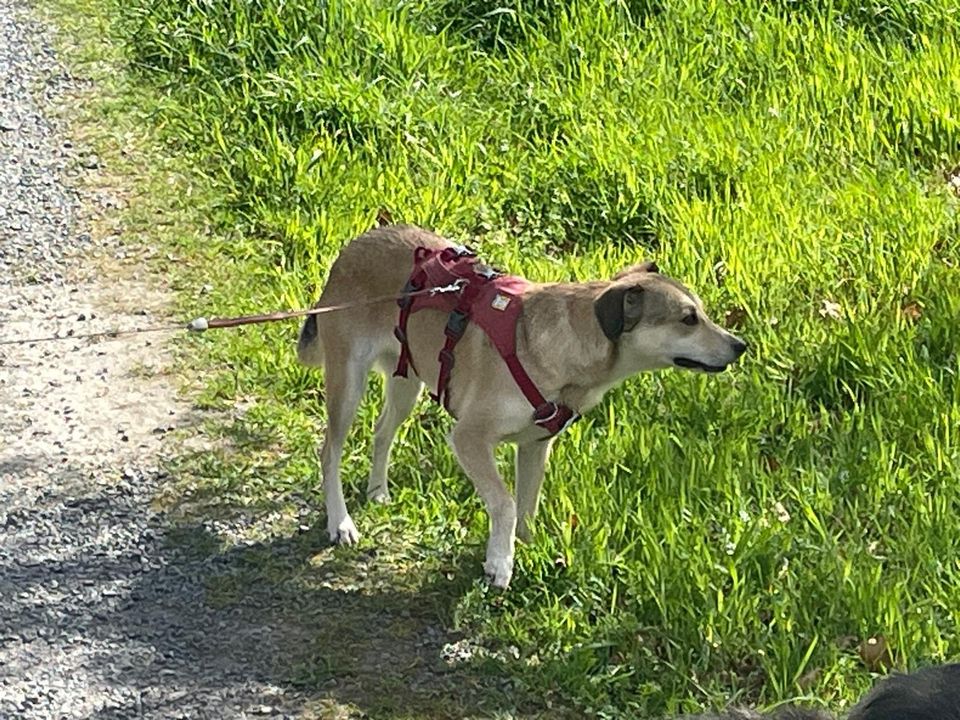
490,299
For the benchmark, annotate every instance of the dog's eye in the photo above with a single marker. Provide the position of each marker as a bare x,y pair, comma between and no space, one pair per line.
690,319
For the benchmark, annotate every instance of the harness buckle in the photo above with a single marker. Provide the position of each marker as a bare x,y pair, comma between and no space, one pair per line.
456,324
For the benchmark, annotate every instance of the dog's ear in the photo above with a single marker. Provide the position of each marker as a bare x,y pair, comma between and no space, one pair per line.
619,309
649,266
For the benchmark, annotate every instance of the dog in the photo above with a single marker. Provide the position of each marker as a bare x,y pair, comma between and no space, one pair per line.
575,341
932,693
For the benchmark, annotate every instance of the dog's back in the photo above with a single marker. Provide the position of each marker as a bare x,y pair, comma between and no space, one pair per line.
376,264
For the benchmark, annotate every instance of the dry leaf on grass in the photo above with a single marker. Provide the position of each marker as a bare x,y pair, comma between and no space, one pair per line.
735,317
783,515
875,653
912,311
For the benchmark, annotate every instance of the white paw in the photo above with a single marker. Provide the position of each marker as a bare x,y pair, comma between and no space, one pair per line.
344,532
499,571
379,495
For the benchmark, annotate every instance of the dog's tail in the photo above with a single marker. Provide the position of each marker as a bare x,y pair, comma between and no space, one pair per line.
309,348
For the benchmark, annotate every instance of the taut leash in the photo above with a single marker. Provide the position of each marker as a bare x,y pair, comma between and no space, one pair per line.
202,324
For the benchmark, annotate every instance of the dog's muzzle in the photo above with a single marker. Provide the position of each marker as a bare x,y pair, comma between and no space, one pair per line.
691,364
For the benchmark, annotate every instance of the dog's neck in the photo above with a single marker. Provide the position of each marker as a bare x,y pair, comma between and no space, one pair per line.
562,346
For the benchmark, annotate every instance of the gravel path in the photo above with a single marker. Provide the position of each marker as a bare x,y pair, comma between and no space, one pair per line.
108,607
99,616
36,214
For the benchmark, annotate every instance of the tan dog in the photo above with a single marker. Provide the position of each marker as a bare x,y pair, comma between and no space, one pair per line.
575,340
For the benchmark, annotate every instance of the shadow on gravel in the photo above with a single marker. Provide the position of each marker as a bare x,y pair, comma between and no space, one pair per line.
280,613
21,463
161,622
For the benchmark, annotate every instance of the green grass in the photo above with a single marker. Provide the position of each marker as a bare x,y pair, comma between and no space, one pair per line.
702,540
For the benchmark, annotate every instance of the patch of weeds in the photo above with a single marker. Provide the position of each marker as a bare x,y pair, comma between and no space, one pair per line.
882,20
495,25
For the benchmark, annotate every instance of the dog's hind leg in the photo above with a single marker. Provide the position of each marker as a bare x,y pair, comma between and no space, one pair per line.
400,395
475,451
530,466
345,383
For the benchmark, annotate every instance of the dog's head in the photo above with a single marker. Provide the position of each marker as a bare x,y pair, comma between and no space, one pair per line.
656,322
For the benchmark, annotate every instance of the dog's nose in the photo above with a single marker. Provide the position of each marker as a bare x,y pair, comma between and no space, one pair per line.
739,346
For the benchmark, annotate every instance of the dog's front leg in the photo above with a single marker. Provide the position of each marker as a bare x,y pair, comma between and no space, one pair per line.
531,464
474,449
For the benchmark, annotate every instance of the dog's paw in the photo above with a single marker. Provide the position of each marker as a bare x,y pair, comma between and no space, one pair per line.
499,571
344,533
524,533
379,495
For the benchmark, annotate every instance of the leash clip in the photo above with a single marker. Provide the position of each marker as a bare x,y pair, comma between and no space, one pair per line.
453,287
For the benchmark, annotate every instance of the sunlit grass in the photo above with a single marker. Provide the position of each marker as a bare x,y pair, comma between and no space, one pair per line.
701,539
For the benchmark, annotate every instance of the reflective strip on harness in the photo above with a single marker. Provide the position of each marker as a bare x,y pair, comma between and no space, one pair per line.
488,298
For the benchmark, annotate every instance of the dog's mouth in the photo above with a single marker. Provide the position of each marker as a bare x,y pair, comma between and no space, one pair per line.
691,364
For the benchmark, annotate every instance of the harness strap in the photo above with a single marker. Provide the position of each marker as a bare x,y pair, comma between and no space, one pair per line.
418,281
460,263
400,331
549,415
456,325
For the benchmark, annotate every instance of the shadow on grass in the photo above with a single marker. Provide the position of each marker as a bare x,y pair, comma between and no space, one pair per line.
356,628
347,632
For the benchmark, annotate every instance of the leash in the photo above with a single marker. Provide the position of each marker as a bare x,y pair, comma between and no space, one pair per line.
202,324
84,336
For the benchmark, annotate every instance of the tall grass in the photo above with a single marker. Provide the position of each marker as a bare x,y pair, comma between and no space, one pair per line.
701,539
